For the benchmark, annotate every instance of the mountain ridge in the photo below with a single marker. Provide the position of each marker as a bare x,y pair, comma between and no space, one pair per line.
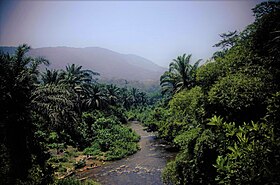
110,64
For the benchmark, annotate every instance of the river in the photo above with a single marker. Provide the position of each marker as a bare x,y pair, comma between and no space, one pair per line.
141,168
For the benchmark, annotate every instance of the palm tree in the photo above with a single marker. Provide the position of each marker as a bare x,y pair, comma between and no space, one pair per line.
181,74
95,97
55,104
125,98
79,82
74,75
18,75
51,76
142,98
112,92
134,95
168,82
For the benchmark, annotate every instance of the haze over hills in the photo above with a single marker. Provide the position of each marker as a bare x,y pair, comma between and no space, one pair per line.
110,64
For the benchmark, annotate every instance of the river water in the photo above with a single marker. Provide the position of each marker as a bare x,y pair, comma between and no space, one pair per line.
141,168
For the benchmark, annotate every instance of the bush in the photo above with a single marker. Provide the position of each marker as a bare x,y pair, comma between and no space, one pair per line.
250,153
188,106
113,140
273,113
187,110
93,150
226,154
194,163
72,181
209,73
238,98
81,163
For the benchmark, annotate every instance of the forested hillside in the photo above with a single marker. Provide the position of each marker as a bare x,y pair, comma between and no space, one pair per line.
224,115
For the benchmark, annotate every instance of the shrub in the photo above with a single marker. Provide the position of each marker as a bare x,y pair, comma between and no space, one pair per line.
238,98
273,112
194,163
114,140
188,106
187,110
248,154
72,181
226,154
92,150
209,73
81,163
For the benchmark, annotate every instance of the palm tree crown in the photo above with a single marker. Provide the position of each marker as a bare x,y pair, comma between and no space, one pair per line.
181,75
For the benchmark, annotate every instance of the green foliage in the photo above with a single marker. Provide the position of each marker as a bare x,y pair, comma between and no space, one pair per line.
120,149
209,73
188,106
25,154
186,110
228,40
72,181
79,164
154,118
185,139
181,75
238,97
266,36
243,154
149,116
273,112
54,110
241,85
4,164
112,140
93,150
250,153
193,164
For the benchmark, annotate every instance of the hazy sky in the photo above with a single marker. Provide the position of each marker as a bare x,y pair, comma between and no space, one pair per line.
157,30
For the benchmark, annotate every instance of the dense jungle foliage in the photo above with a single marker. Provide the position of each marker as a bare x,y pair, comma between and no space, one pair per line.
44,114
223,116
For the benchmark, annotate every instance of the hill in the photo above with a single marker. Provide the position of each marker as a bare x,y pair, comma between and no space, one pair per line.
110,64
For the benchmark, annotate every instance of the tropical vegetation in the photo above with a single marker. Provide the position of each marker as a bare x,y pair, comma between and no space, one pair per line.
222,116
44,112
